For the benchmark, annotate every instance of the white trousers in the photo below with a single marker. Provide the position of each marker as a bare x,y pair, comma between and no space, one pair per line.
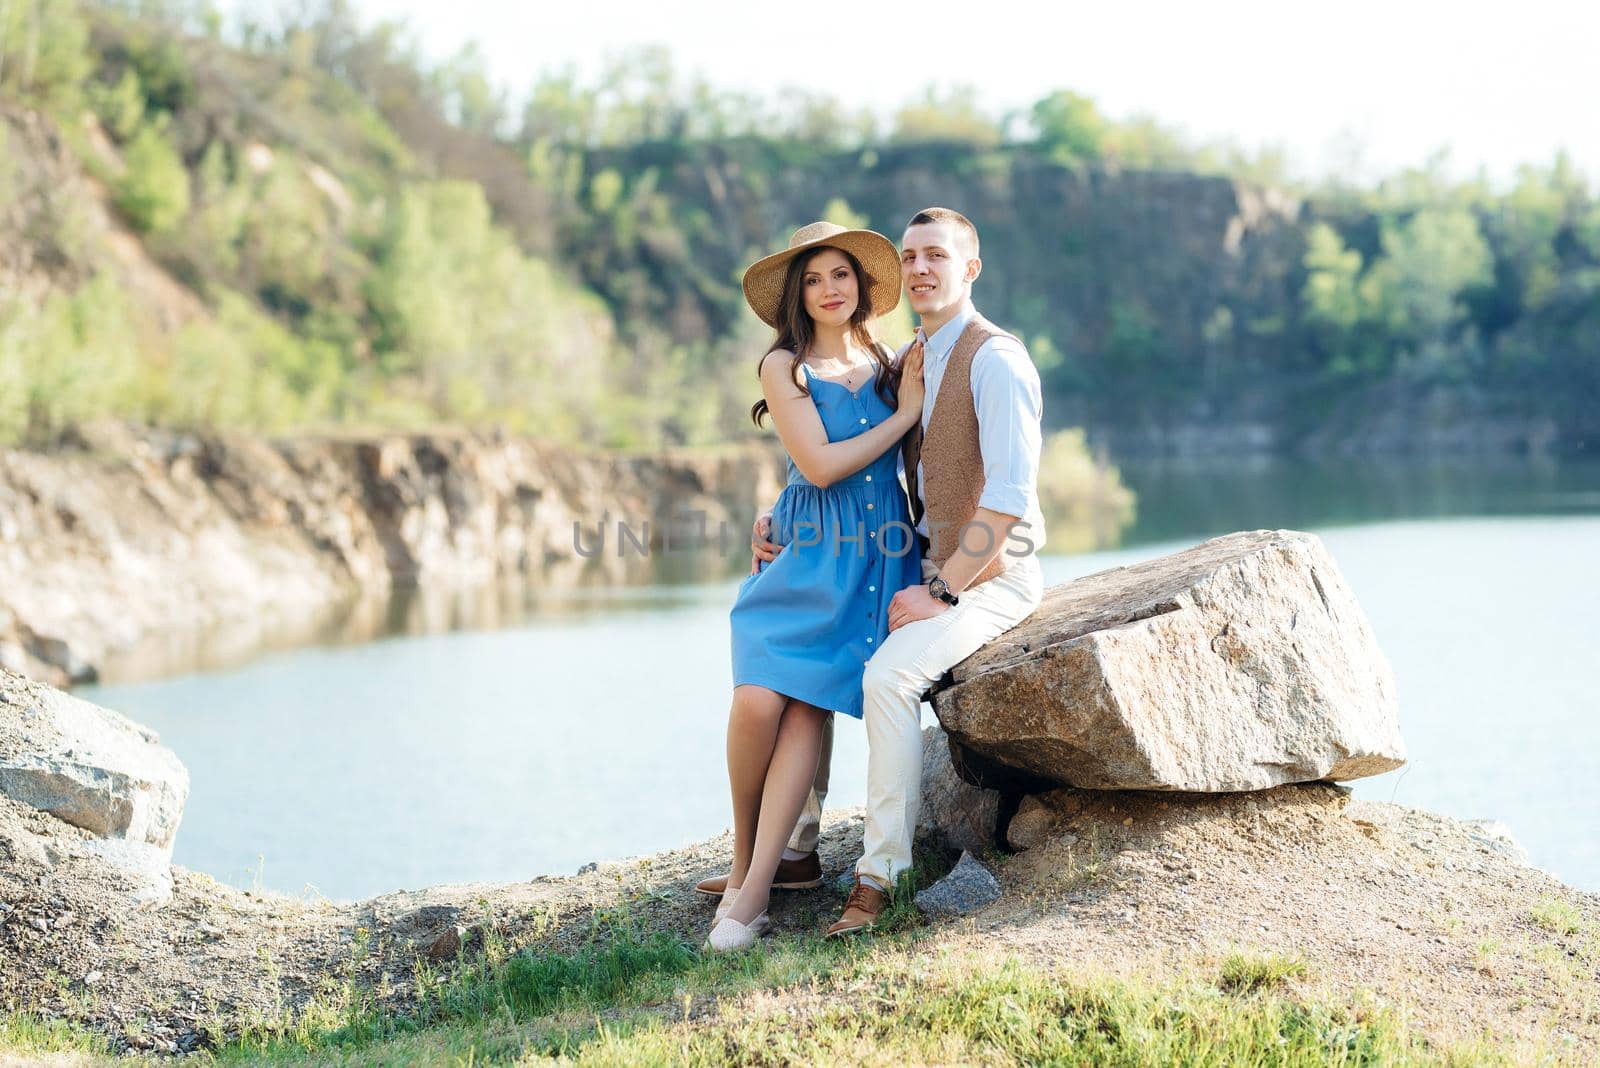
908,663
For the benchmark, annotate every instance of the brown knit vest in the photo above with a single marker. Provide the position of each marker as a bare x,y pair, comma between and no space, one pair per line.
952,458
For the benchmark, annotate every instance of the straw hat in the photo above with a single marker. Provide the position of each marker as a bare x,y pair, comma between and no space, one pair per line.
763,282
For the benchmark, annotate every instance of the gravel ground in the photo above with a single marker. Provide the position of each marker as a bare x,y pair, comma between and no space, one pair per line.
1419,910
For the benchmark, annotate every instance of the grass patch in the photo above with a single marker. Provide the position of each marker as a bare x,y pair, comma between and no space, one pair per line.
619,970
25,1033
629,995
1557,916
893,1009
1242,973
880,1001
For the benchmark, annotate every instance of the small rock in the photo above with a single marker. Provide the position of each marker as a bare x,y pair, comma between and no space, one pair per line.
91,979
1496,836
1040,817
450,941
447,945
968,888
209,930
1032,824
589,867
40,923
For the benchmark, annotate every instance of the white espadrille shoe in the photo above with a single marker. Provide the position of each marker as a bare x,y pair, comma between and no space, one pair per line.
730,936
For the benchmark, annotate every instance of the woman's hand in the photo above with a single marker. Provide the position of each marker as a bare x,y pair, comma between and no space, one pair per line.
912,390
762,551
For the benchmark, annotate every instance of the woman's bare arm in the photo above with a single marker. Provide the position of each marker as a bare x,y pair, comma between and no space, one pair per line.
804,437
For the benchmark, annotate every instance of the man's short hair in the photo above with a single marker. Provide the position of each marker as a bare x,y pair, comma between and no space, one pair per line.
966,233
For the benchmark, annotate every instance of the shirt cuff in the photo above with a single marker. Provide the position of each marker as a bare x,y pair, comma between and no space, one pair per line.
1005,499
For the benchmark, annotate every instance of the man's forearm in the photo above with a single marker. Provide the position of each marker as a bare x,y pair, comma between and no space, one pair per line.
982,538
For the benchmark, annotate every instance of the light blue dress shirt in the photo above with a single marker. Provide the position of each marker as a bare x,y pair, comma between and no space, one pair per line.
1009,403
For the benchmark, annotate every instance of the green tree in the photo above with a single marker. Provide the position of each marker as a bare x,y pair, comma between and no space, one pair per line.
220,210
1427,261
1069,127
946,116
154,190
1530,218
288,238
1144,143
483,331
469,98
822,121
240,369
163,67
120,107
838,211
44,52
1332,300
68,359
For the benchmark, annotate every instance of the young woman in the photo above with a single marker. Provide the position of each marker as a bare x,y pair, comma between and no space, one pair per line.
805,624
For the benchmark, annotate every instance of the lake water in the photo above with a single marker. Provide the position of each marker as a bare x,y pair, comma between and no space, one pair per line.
593,728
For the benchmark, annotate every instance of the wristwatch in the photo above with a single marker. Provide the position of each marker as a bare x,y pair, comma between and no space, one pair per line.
939,589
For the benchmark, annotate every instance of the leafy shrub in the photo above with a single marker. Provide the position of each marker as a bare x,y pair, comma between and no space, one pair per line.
154,191
72,358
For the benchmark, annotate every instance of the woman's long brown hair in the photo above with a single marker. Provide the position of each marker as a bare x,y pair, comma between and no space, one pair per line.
797,332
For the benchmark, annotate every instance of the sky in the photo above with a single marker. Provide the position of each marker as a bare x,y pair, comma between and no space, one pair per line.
1358,88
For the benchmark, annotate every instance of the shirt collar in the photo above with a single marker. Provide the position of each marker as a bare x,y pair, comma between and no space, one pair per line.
943,340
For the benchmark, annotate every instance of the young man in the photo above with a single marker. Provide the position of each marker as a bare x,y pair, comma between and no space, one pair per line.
973,475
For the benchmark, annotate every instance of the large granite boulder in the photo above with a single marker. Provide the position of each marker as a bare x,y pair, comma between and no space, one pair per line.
95,769
1240,664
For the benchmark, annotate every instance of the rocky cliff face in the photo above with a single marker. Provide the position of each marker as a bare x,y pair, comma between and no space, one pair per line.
123,537
1170,300
1129,275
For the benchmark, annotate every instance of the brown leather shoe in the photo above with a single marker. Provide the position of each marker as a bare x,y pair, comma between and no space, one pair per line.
861,909
802,874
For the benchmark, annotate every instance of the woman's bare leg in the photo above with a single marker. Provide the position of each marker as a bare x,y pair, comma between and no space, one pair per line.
752,732
790,772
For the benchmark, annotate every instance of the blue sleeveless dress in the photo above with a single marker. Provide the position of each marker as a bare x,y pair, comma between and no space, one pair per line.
806,624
